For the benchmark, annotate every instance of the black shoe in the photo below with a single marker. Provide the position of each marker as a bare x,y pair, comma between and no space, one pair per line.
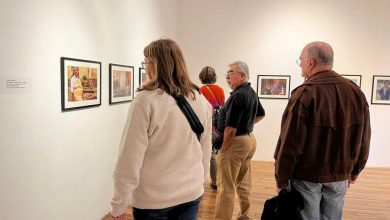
213,187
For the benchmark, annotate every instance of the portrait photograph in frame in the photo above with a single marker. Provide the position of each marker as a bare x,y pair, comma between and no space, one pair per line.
121,79
380,90
273,86
142,76
357,79
80,83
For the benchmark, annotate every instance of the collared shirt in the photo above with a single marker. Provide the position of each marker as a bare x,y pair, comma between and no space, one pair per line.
240,110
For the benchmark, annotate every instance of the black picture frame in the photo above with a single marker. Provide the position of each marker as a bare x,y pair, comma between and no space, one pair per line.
273,86
380,94
80,83
121,83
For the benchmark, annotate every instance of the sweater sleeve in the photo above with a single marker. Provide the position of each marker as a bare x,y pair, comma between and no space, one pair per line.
130,158
205,142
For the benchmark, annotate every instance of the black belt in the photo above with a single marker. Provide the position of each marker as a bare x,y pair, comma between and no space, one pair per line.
242,134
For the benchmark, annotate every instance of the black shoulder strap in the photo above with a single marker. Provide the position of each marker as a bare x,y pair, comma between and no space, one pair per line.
192,118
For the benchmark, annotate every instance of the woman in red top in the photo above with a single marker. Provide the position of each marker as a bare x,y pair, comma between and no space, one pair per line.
216,96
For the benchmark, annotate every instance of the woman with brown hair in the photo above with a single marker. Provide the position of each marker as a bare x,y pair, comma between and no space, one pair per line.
216,97
161,167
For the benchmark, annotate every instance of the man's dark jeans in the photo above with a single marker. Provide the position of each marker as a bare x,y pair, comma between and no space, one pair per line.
185,211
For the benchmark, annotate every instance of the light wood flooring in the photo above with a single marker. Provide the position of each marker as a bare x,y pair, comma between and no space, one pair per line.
367,199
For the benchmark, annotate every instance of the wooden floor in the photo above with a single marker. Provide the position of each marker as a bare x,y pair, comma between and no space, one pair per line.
367,199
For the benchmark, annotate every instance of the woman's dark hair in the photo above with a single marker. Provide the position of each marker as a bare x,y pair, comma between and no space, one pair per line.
208,75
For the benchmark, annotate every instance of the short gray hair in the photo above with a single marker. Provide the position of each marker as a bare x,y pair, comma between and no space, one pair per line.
242,67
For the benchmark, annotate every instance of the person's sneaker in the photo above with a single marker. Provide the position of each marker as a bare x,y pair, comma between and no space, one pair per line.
213,187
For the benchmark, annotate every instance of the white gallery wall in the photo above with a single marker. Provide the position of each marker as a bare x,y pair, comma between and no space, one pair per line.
58,165
53,164
269,35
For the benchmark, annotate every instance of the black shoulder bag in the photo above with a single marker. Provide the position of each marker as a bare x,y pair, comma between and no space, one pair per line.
185,107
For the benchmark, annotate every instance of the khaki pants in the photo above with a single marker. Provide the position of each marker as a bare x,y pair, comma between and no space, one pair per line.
234,175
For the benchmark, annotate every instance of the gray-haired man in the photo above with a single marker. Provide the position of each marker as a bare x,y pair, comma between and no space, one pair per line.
237,118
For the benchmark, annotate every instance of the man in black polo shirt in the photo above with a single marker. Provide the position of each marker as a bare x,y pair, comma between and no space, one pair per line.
237,118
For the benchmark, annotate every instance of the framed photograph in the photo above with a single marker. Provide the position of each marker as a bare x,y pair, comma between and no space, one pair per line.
80,83
121,83
380,90
357,79
142,76
273,86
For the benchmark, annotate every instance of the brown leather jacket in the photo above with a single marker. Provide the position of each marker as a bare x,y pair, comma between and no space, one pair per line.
325,132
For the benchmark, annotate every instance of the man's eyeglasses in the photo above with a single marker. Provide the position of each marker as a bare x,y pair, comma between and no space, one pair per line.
144,64
298,61
229,73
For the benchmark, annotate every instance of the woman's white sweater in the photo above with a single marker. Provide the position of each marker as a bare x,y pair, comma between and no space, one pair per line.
161,163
